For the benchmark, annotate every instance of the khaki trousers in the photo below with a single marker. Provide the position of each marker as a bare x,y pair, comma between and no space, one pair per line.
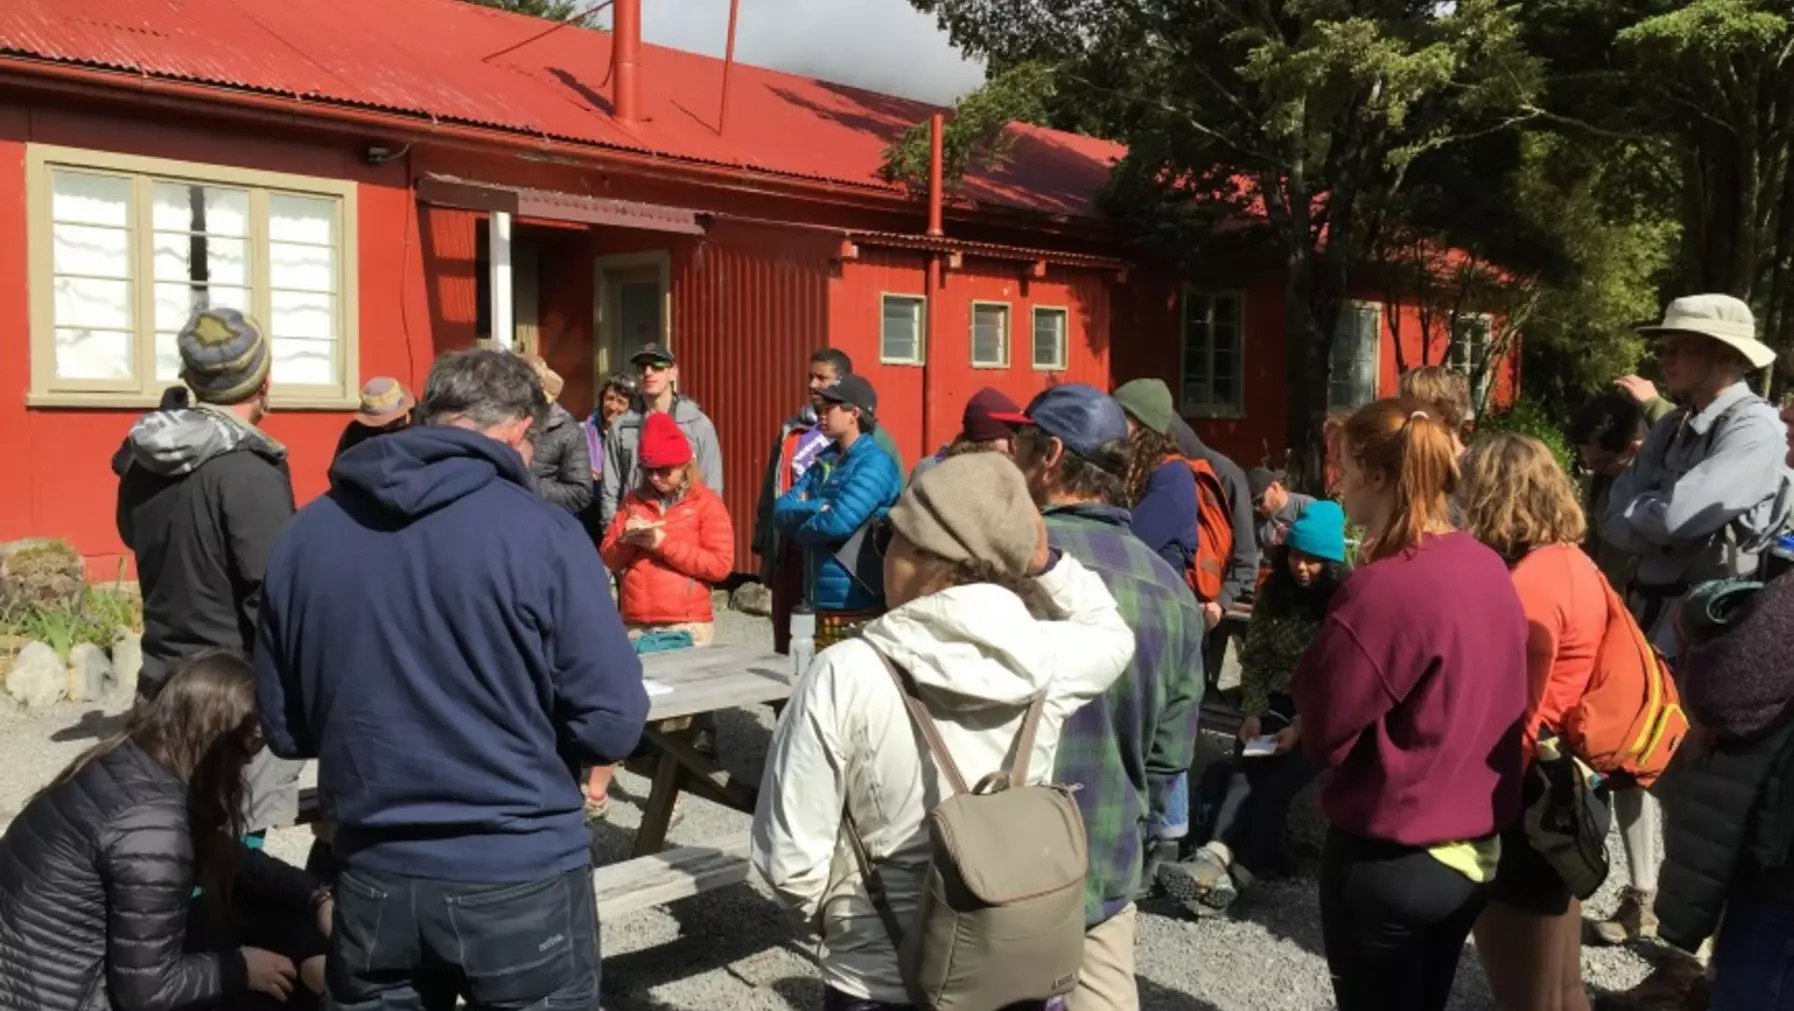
1107,980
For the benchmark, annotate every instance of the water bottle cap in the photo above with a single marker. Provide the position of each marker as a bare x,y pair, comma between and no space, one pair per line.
1786,542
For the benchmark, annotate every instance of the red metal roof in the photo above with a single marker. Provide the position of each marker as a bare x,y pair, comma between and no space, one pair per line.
426,58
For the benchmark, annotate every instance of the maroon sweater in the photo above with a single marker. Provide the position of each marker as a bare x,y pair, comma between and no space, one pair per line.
1413,693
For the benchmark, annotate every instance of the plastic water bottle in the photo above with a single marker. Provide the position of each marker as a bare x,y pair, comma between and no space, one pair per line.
1781,557
803,639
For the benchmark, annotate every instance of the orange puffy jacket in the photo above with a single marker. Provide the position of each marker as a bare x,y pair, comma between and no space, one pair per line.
672,583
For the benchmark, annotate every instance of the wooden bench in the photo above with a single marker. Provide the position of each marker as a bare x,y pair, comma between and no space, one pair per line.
670,875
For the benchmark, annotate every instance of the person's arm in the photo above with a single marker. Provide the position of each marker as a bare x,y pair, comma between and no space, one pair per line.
710,556
145,862
610,492
1256,658
868,489
1340,690
275,882
764,531
568,483
1656,409
1743,468
254,504
279,695
1173,744
1092,643
600,703
617,553
708,452
797,820
799,503
1242,569
1165,517
1638,477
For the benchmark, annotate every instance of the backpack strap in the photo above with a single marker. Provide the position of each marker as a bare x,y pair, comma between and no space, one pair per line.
924,722
875,882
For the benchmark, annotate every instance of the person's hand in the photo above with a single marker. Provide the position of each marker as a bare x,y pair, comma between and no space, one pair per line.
1288,738
1043,552
1211,614
1640,389
311,973
269,973
653,537
326,910
1249,728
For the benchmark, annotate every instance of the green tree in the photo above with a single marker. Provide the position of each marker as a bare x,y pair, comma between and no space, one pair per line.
552,10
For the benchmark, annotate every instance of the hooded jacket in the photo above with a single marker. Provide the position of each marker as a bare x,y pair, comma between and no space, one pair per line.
622,464
562,465
839,494
443,641
201,497
977,657
671,584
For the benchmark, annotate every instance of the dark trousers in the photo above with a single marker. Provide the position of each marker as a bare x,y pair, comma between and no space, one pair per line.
1254,819
835,1000
787,592
1394,920
410,944
290,932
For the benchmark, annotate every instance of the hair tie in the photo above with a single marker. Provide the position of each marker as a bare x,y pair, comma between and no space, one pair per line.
1418,416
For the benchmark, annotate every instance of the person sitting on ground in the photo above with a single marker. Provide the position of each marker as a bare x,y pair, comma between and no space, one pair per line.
1241,577
657,381
1446,394
984,619
98,872
1277,507
1248,842
1413,694
560,466
1161,490
987,425
1517,500
829,512
385,408
1607,434
671,542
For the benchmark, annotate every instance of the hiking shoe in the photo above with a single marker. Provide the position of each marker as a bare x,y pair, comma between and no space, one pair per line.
1202,880
1678,983
1158,853
596,808
1633,920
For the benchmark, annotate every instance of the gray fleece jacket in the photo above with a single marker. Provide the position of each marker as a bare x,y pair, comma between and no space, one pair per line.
622,466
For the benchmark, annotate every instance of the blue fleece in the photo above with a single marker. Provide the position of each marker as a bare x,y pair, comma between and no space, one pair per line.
442,641
1165,517
836,497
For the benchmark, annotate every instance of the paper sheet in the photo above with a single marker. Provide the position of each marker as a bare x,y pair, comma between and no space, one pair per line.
1260,747
656,688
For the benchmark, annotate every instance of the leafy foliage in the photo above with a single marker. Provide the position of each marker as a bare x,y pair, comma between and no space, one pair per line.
976,134
552,10
1528,417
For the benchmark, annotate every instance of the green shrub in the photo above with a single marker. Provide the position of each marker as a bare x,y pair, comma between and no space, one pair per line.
95,620
1528,418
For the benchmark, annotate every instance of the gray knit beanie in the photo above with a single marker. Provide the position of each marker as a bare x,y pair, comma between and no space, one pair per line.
224,356
973,507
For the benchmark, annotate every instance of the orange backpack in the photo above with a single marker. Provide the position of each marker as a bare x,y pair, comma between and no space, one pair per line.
1630,720
1214,533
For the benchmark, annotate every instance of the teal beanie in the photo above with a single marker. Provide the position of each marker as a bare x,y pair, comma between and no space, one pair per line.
1320,532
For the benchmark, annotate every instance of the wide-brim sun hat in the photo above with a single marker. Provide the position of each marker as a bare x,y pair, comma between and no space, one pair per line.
1723,318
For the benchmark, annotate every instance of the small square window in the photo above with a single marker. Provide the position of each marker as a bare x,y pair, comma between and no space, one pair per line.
1050,339
990,335
900,332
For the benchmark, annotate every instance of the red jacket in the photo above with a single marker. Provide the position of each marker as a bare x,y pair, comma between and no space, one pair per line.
672,584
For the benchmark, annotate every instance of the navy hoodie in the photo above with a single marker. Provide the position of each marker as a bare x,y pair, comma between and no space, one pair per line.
1166,515
444,643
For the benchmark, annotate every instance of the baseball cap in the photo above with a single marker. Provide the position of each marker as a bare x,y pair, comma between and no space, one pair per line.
1260,479
653,353
1079,415
852,390
990,415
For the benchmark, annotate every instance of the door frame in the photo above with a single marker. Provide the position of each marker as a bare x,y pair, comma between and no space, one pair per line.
608,343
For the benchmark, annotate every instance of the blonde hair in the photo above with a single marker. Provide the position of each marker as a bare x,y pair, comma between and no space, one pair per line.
1413,450
1517,498
1445,392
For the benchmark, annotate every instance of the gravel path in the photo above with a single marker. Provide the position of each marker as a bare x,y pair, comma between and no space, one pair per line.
734,949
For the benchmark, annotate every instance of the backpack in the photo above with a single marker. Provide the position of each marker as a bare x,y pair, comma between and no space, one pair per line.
1001,918
1214,533
1630,720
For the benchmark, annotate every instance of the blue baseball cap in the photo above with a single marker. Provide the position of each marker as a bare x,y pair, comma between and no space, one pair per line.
1079,415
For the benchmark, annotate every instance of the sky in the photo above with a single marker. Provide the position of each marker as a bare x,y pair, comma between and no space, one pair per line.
882,45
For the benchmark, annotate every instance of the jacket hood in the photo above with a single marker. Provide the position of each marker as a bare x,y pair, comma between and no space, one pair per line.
967,647
176,442
685,411
422,469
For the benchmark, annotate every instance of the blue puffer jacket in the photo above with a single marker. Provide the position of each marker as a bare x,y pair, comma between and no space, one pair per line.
839,494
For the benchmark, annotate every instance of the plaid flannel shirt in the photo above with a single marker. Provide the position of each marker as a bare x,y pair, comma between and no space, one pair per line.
1127,747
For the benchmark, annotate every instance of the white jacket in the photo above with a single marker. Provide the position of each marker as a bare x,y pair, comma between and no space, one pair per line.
978,657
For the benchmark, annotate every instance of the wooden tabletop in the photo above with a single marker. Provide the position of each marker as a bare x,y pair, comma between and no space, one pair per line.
713,678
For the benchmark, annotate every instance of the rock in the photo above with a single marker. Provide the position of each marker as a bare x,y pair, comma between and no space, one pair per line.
719,600
90,673
752,598
127,662
40,573
38,676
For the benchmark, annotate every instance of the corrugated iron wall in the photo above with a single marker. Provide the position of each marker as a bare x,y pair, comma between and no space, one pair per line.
749,305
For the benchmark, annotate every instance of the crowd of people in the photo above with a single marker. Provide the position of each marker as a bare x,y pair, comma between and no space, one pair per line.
1463,647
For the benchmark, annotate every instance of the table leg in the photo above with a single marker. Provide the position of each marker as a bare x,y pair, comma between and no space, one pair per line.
652,836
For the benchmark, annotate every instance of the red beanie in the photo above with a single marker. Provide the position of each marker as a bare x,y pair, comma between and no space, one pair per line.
663,445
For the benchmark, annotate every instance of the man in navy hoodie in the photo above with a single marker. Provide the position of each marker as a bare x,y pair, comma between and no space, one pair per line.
444,643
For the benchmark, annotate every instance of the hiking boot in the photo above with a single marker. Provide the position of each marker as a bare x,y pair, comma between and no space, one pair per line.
1159,852
1633,920
596,808
704,742
1678,983
1203,880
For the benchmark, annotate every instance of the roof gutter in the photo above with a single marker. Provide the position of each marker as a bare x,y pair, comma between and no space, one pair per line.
243,105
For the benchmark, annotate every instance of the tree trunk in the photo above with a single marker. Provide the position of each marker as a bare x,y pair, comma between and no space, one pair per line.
1306,358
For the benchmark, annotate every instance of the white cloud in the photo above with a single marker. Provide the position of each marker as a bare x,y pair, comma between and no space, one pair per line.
882,45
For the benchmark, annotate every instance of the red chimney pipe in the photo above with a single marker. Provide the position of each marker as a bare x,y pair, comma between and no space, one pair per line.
625,54
722,117
937,125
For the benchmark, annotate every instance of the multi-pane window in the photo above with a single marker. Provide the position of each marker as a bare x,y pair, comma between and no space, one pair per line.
990,335
1470,350
1357,347
1049,339
1211,378
134,247
900,331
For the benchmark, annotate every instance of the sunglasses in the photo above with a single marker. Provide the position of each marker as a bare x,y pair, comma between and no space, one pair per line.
654,368
662,472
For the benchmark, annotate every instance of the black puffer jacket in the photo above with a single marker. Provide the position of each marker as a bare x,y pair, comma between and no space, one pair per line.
562,466
96,879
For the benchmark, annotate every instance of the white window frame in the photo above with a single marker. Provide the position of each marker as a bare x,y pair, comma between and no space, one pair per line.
1460,357
1062,351
1347,310
1191,408
972,333
885,298
49,389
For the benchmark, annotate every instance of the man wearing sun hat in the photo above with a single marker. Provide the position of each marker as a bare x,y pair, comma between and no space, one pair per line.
385,408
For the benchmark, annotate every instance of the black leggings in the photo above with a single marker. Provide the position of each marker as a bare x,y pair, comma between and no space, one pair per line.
1394,921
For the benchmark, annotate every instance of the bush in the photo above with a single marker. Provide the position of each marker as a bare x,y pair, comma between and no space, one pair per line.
95,620
1527,417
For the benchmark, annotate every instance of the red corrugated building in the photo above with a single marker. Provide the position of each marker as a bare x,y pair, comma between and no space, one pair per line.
443,173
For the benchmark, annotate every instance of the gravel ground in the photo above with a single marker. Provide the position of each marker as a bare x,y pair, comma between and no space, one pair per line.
734,949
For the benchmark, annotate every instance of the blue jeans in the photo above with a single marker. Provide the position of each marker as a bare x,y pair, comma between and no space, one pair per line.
1753,957
411,944
1173,822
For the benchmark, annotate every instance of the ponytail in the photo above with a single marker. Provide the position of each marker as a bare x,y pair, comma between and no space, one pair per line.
1413,449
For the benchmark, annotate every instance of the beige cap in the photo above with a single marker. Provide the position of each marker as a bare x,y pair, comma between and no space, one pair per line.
552,383
1721,317
974,506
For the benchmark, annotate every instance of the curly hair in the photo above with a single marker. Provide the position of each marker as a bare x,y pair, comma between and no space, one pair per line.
1516,498
1147,449
1282,595
1093,479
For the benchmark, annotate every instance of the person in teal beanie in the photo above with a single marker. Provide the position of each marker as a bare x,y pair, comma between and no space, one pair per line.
1247,839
